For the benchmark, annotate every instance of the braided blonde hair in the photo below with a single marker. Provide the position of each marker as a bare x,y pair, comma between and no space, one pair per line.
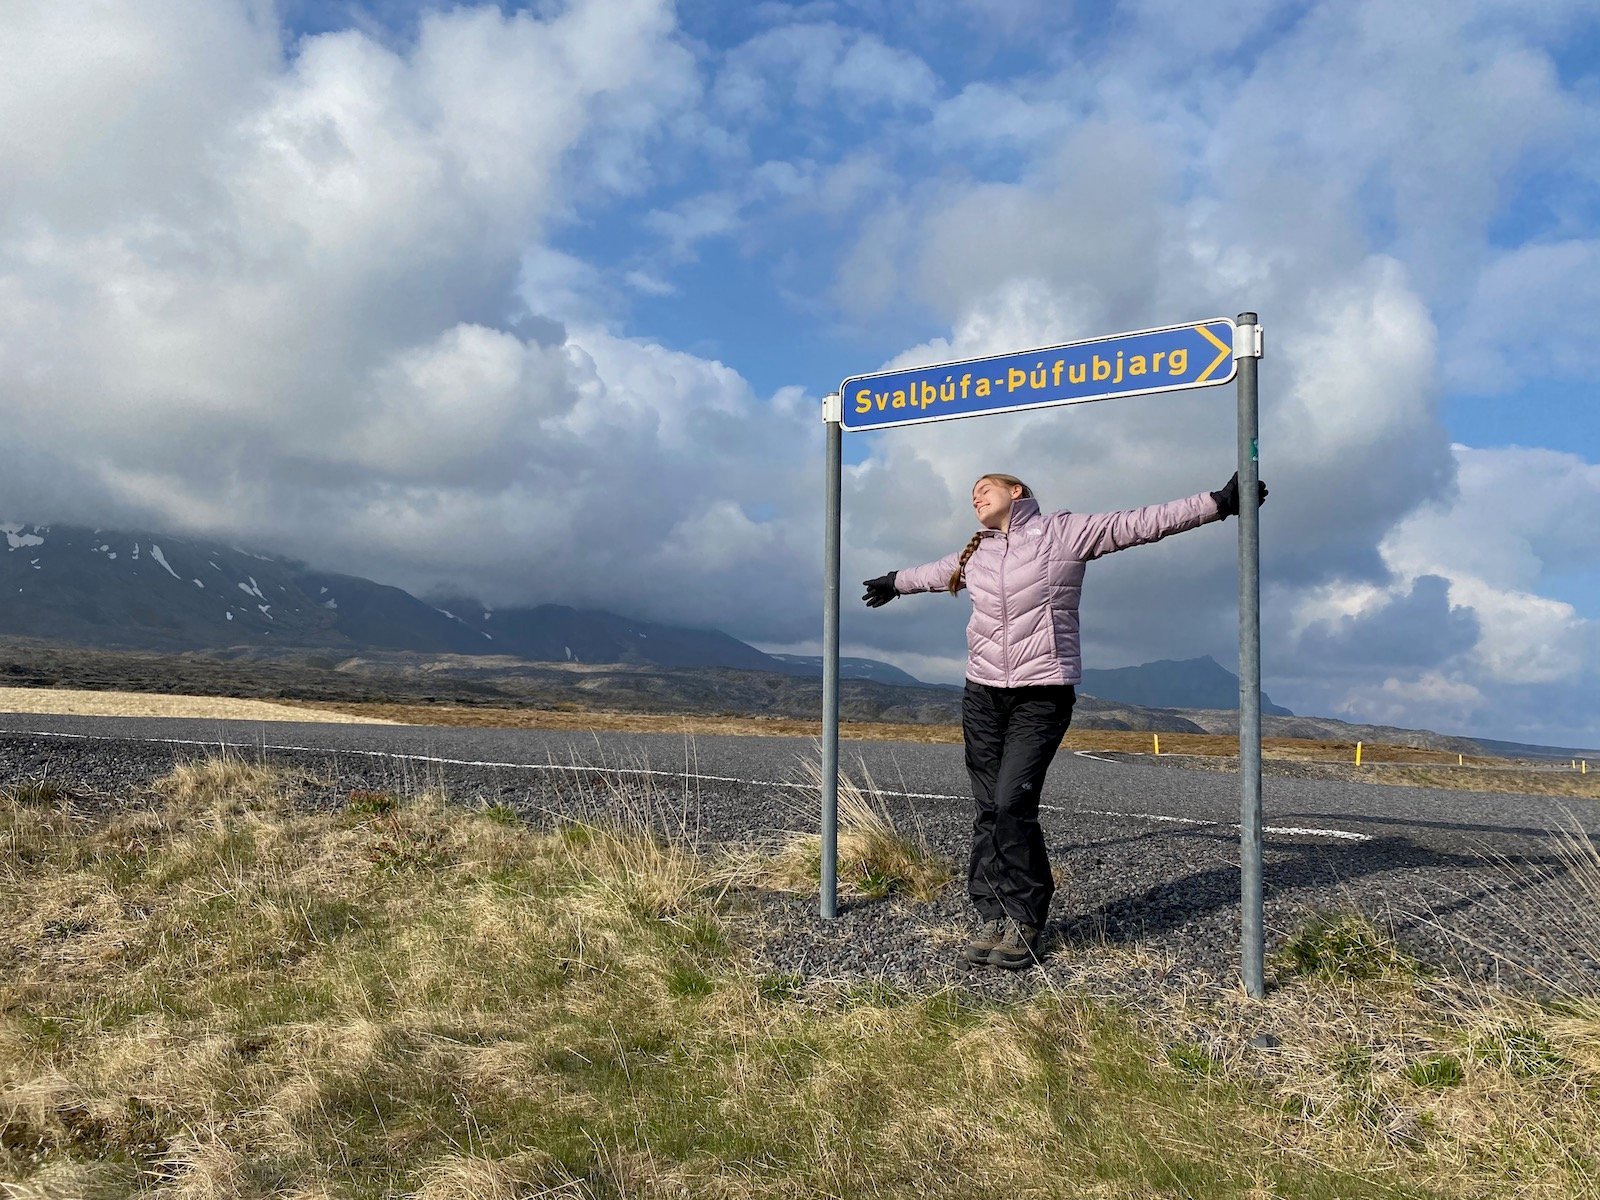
956,578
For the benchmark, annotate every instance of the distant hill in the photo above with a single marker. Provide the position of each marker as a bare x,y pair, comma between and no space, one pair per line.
197,613
810,665
1169,683
156,591
1524,750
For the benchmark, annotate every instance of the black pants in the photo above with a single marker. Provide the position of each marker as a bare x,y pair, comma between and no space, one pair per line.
1011,735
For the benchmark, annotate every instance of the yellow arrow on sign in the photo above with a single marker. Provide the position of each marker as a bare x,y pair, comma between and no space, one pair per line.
1223,352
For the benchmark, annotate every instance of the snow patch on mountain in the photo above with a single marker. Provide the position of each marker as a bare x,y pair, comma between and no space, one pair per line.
16,539
155,553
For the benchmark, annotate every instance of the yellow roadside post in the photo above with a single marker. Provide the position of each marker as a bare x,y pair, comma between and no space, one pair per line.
1358,754
1156,738
1461,761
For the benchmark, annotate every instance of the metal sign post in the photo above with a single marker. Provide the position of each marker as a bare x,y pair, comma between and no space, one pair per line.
1171,358
1252,944
830,663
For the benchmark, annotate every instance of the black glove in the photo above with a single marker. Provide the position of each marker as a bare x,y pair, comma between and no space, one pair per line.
880,590
1227,497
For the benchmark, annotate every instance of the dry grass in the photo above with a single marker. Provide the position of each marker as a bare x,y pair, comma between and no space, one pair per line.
875,858
1529,781
587,721
223,995
76,702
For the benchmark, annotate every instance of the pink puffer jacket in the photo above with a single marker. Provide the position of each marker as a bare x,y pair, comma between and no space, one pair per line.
1025,584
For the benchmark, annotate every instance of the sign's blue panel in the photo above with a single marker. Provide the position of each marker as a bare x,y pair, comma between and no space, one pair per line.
1199,354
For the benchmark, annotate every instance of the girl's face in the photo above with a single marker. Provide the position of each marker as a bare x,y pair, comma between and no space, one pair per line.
991,501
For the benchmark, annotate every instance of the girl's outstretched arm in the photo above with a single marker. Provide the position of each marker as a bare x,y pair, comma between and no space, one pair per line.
929,577
1090,535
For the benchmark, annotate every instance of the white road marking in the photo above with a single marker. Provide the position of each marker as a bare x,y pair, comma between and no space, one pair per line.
1285,830
585,769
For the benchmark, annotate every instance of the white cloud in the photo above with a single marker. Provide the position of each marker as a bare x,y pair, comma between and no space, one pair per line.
1533,662
1518,513
986,118
812,64
1338,172
244,287
1431,700
1532,313
292,301
647,284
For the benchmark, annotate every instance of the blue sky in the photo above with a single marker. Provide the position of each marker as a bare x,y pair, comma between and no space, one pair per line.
539,302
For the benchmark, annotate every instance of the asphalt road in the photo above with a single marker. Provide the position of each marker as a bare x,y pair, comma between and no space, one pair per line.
1146,855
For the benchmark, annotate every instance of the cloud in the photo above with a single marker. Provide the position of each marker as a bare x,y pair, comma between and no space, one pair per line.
1518,514
814,64
1463,608
366,297
1442,703
1518,511
1531,314
288,312
1338,170
1415,628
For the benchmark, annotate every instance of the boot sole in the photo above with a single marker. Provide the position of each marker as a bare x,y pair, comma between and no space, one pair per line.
1012,964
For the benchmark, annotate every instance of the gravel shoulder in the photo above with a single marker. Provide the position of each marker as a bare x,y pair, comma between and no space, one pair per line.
1146,856
80,702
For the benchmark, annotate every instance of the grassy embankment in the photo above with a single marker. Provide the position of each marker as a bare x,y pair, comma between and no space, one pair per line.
216,994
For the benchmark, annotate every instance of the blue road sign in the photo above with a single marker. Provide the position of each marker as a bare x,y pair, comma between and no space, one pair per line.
1199,354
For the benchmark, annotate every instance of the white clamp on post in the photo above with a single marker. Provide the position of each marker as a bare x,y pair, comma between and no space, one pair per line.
1247,341
833,407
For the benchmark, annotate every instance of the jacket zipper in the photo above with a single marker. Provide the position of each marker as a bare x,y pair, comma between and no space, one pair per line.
1005,613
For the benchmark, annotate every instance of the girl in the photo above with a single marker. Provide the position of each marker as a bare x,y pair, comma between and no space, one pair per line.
1023,571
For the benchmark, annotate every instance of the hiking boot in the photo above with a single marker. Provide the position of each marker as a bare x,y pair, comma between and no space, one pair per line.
989,935
1017,949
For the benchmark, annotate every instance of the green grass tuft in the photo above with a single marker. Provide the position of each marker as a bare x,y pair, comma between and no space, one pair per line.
1191,1058
38,793
1520,1050
1342,948
1436,1072
501,814
366,802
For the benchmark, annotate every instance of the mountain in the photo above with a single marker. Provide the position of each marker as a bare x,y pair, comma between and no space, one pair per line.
1526,750
155,591
1185,683
810,665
